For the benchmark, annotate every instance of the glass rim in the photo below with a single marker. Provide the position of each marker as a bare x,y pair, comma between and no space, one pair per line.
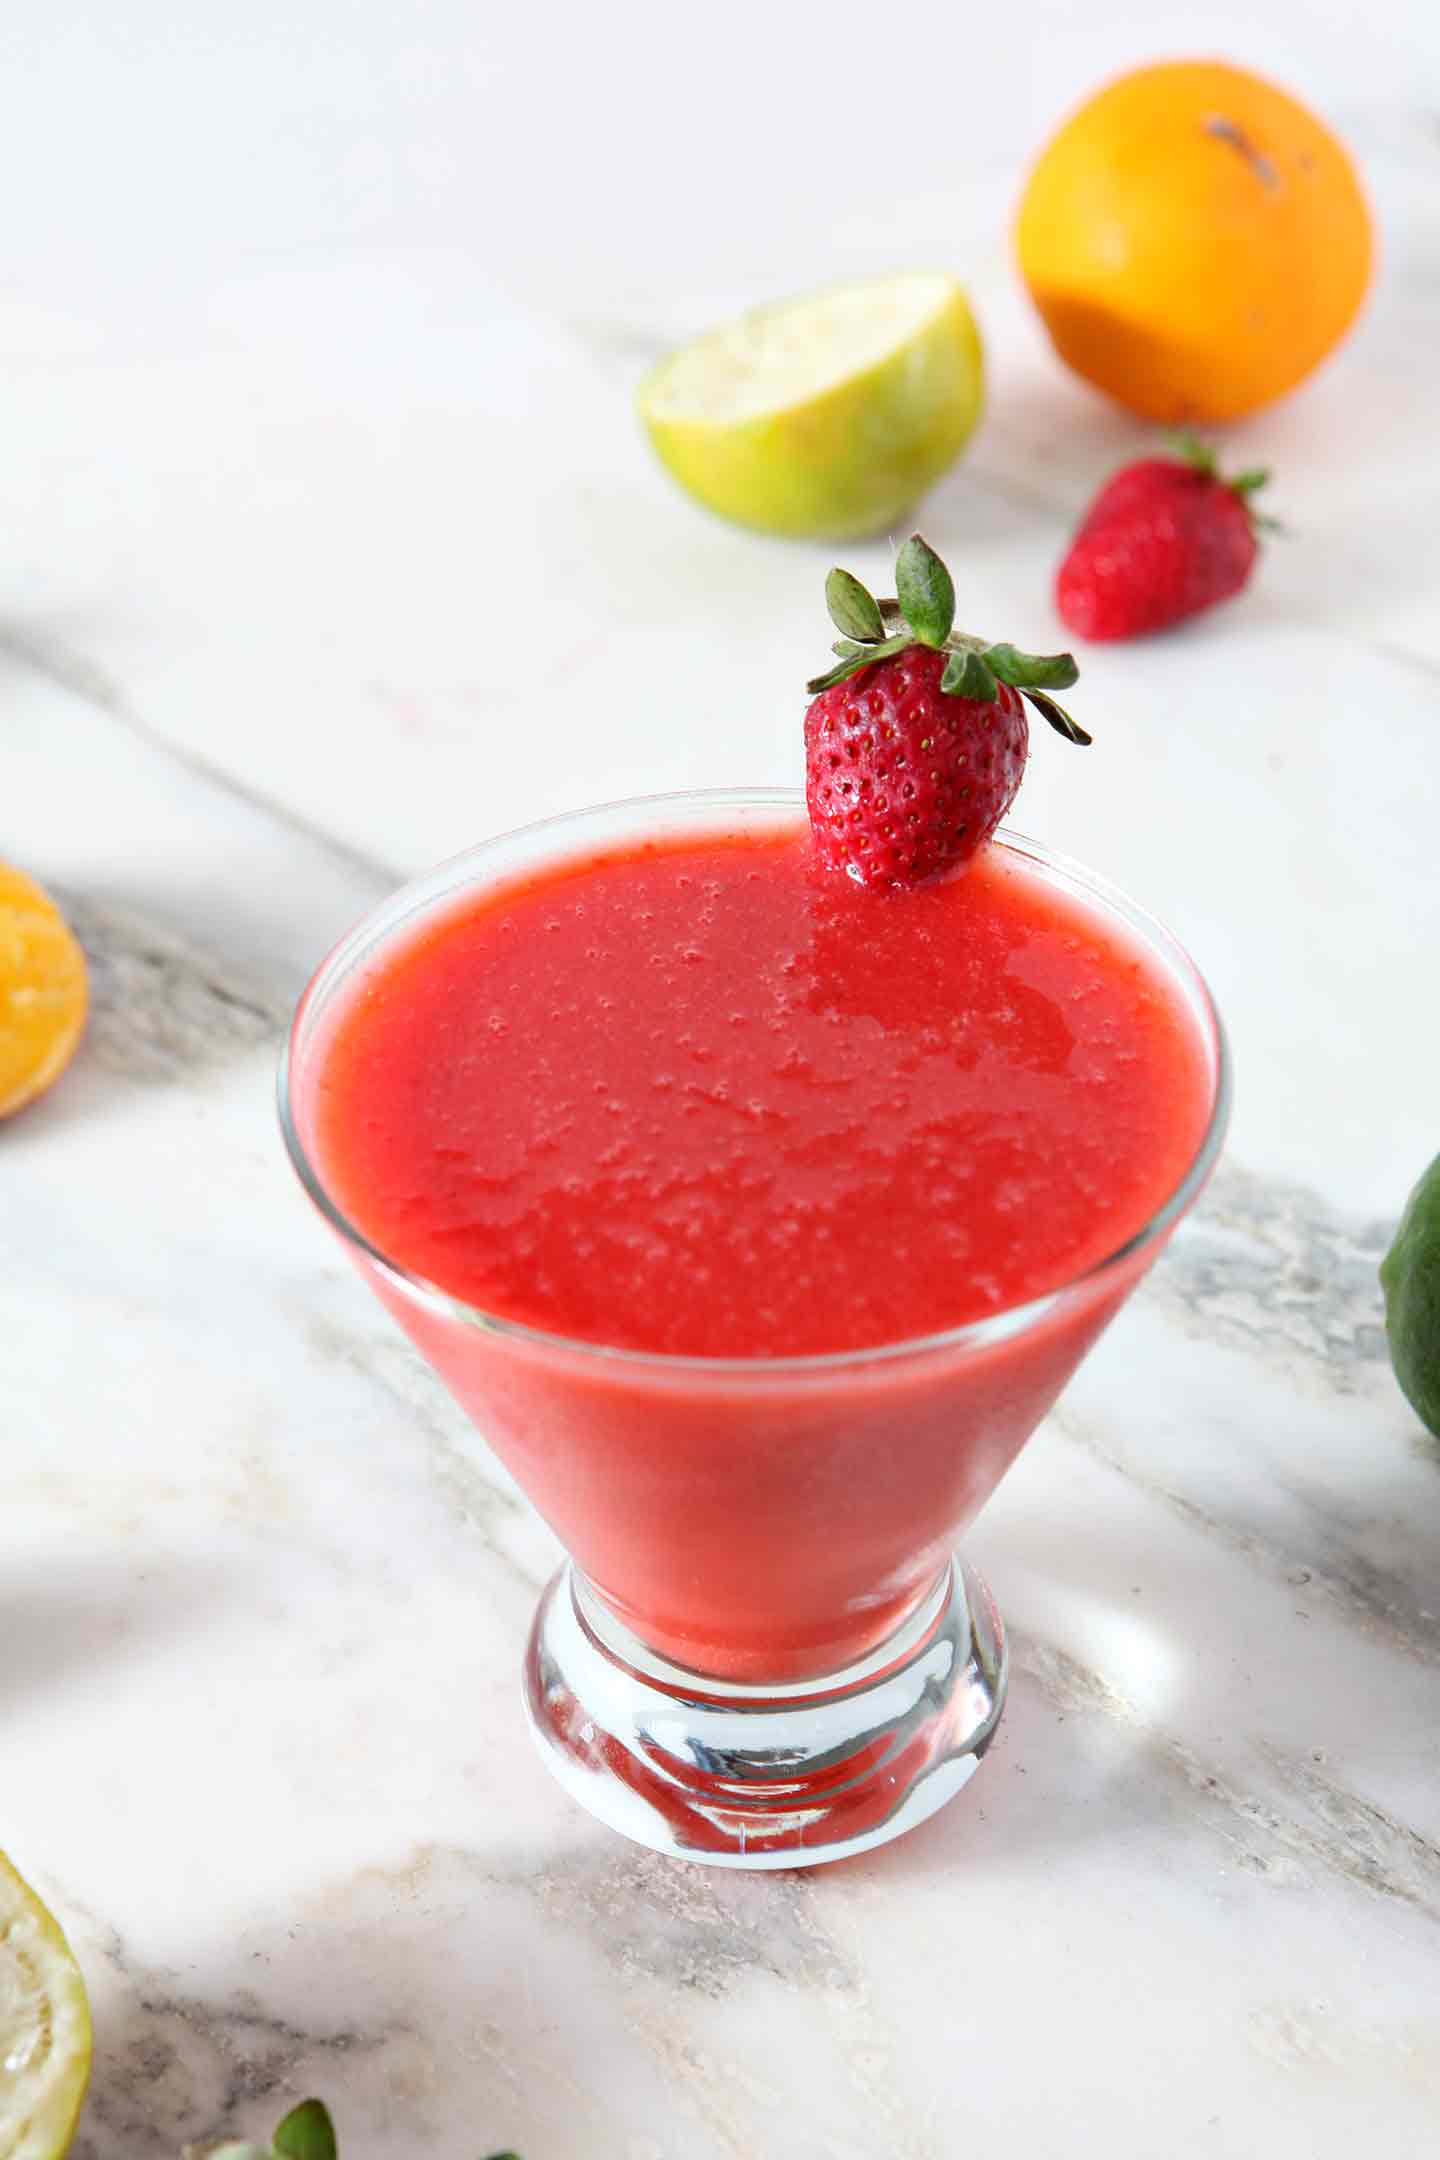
990,1328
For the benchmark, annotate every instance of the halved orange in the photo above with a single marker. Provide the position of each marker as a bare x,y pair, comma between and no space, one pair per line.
43,990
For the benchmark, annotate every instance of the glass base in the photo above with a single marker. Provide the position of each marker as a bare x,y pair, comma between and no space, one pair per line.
766,1777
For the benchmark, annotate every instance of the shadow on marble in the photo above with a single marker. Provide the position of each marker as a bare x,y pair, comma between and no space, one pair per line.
64,1619
1049,437
981,510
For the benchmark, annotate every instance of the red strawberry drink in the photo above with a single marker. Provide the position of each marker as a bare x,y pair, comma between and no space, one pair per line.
756,1214
695,1097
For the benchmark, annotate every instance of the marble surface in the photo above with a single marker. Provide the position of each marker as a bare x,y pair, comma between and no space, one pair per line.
330,546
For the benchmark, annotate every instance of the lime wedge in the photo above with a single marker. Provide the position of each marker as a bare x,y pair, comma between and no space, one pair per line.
44,2027
825,417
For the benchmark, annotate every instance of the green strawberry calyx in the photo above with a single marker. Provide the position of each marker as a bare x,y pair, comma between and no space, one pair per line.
923,613
1192,450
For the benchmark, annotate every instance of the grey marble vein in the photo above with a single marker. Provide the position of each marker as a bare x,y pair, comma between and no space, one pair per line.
1266,1266
1309,1823
686,1928
1318,1548
162,1007
173,2064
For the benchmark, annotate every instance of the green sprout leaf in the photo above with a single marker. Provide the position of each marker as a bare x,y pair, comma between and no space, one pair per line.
853,610
1031,671
307,2133
1246,483
1058,718
966,675
926,593
863,657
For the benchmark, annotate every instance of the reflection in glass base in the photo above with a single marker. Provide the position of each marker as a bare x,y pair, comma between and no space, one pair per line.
766,1777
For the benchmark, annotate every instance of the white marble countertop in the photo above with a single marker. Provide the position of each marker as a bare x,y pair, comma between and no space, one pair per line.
330,546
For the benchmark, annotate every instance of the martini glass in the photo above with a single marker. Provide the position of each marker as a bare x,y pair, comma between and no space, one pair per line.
763,1650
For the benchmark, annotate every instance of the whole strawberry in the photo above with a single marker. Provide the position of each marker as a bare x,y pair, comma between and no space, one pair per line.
1163,539
916,743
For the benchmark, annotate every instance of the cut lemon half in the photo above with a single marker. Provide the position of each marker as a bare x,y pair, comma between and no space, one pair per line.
43,995
44,2027
826,417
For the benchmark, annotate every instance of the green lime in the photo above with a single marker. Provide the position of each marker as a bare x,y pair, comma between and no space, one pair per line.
825,417
44,2027
1410,1278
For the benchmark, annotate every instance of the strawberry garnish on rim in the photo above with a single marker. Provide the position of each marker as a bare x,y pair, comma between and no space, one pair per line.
916,742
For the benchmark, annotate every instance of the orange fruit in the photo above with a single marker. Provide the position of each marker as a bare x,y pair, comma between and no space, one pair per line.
1196,241
43,992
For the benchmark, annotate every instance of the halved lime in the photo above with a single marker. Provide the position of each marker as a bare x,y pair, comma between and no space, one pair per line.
827,416
44,2027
